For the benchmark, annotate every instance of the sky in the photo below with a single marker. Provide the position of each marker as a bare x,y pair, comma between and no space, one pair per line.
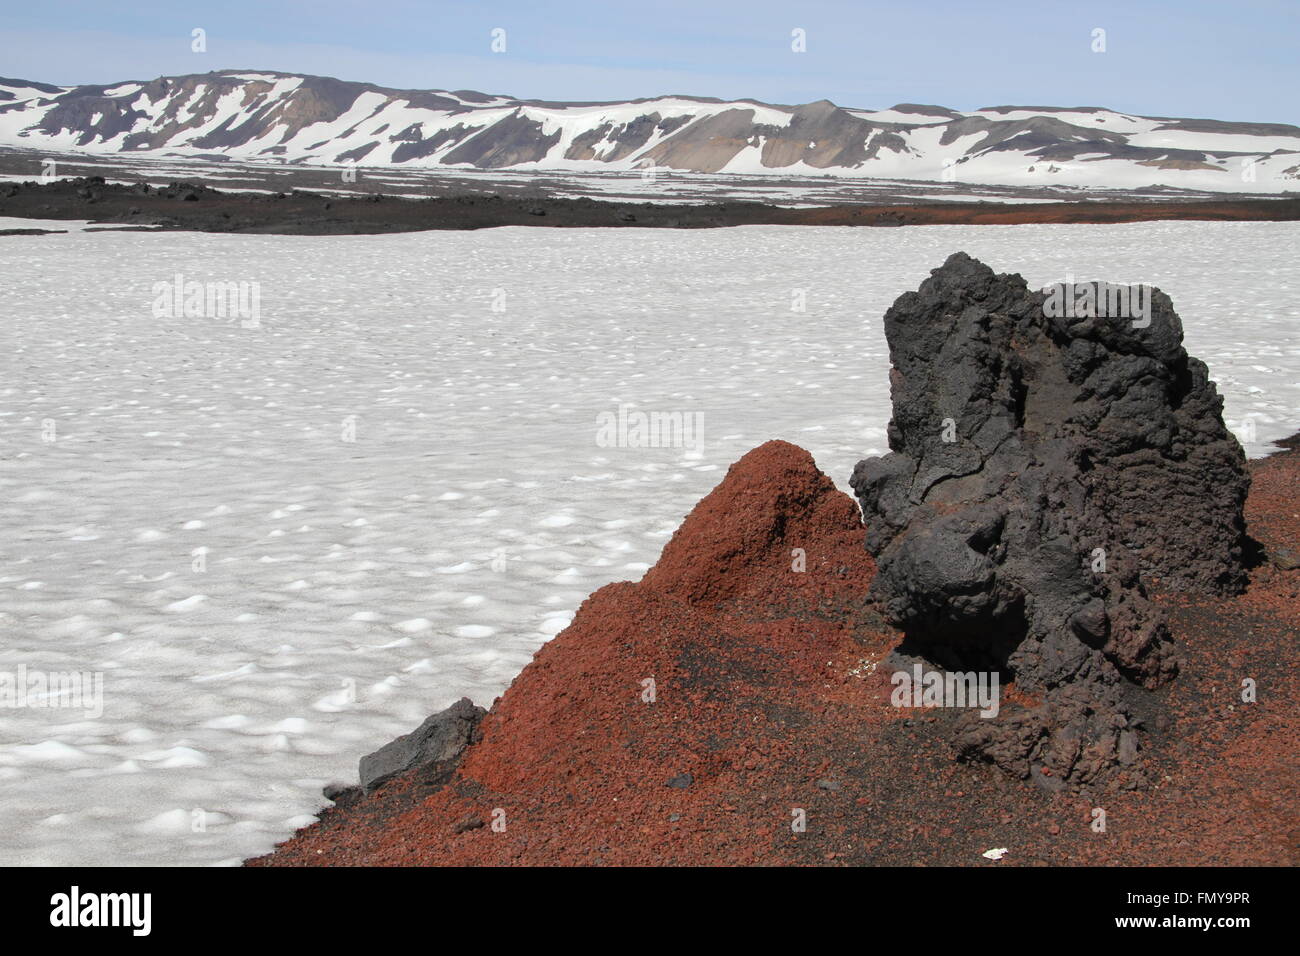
1233,60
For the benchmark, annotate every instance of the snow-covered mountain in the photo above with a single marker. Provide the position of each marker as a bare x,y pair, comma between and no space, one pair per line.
278,117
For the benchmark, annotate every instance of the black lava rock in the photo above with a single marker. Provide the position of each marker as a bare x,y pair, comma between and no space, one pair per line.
436,745
1045,468
341,793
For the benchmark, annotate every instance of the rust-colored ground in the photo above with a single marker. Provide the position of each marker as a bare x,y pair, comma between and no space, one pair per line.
766,695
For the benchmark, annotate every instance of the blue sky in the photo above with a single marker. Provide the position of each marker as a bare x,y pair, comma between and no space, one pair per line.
1235,59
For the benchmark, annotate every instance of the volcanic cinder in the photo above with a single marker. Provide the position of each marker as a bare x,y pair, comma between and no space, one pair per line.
1047,464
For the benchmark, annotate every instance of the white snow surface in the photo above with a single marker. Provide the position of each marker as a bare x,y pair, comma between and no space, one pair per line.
351,588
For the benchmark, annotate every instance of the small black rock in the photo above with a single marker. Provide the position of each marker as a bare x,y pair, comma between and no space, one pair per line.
341,793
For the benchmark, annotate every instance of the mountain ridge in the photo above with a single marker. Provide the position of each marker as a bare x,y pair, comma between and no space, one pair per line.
272,116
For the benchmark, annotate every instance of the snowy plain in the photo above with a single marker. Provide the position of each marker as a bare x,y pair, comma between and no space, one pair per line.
282,546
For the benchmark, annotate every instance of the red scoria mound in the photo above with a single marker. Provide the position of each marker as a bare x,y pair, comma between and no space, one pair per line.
727,709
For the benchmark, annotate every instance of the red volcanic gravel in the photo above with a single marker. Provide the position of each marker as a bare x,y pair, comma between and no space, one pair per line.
769,708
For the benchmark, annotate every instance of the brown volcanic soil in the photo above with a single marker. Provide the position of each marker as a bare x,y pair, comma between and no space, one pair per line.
197,207
767,697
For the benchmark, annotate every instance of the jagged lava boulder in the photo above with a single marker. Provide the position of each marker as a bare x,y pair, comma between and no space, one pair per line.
437,744
1043,467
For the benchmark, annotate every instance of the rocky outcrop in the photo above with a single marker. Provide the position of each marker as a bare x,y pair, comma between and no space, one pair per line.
733,707
1049,458
436,745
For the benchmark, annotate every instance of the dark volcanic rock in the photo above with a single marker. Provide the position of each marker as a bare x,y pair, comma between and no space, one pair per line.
194,206
342,794
437,744
1043,467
